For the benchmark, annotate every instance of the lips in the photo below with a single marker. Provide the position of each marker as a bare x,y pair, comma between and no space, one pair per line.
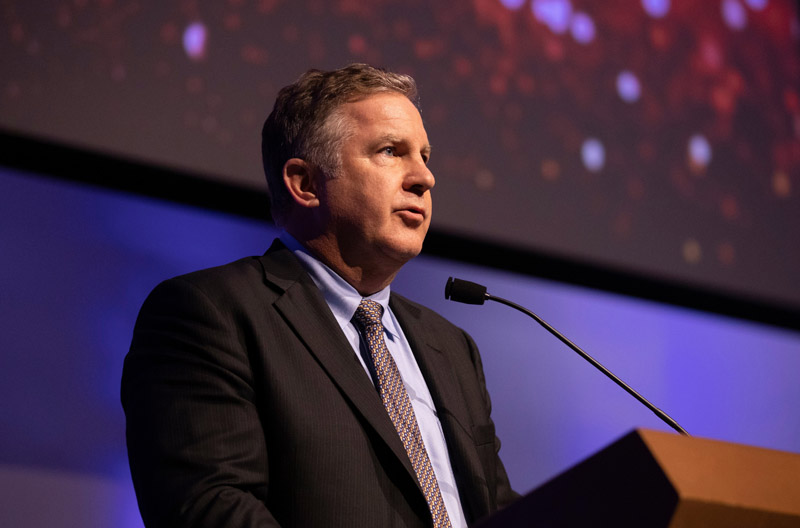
412,213
412,209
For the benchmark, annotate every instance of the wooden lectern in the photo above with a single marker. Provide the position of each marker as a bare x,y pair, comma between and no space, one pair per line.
650,479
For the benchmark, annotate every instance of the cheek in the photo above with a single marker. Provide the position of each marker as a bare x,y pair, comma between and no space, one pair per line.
344,203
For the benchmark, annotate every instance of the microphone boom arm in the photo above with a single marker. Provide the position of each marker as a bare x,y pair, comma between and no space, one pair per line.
658,412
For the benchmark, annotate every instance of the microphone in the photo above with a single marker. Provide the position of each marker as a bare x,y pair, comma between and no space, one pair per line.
464,291
471,293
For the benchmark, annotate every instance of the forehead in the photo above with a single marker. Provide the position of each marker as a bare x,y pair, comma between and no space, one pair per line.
385,110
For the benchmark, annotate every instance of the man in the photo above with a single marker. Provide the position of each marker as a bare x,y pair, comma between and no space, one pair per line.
294,389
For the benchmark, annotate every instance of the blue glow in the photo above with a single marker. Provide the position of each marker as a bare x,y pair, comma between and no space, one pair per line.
513,4
757,5
555,14
66,325
699,150
593,154
194,40
718,377
628,87
656,8
734,14
582,28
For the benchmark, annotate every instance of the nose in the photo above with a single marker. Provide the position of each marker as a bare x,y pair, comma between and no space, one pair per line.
419,178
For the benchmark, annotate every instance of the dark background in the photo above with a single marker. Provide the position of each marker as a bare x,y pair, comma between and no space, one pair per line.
655,138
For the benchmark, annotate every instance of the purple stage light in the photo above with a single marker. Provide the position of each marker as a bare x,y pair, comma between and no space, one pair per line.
628,87
593,154
656,8
195,39
582,28
555,14
699,151
756,5
734,14
513,4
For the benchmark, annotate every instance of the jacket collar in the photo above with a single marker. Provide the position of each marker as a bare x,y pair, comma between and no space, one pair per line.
303,307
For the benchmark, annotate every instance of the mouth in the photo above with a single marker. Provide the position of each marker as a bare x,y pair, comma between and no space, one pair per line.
412,214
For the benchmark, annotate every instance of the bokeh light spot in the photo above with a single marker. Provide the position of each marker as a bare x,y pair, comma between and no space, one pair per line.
526,84
628,87
195,85
757,5
729,207
232,22
711,53
734,14
195,39
723,99
691,251
593,154
791,100
169,33
582,28
513,4
551,170
484,180
64,17
781,185
357,44
699,151
462,66
656,8
267,6
498,84
555,14
17,33
726,253
253,54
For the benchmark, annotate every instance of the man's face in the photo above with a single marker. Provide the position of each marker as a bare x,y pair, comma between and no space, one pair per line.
377,208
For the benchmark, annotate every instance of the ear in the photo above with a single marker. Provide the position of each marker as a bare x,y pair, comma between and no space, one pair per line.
300,179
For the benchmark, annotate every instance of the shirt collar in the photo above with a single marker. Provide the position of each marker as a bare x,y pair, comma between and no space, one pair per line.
341,297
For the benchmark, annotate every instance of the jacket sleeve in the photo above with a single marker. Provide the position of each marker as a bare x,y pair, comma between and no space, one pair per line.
196,446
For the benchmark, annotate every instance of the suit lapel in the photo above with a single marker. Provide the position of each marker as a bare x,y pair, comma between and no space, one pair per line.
304,308
433,362
440,376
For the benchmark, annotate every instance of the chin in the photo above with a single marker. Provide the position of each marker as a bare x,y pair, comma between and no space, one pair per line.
403,252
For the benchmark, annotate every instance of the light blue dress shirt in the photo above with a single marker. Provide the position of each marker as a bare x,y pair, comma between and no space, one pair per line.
343,301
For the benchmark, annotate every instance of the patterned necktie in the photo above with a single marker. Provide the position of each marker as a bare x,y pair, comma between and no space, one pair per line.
398,405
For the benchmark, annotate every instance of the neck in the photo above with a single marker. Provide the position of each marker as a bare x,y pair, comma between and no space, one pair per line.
366,276
364,283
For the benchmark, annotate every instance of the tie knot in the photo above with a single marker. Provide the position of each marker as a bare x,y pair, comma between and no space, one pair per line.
368,313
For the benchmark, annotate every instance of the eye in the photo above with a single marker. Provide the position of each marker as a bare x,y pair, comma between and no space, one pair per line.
389,151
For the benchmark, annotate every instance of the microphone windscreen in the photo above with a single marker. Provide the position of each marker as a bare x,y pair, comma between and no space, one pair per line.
464,291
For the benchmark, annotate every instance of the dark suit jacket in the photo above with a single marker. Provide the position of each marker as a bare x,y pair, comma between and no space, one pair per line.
246,406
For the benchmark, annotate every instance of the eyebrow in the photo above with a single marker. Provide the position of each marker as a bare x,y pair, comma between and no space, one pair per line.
390,138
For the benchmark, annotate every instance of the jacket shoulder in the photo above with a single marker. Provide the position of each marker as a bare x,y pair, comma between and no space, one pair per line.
222,277
424,315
